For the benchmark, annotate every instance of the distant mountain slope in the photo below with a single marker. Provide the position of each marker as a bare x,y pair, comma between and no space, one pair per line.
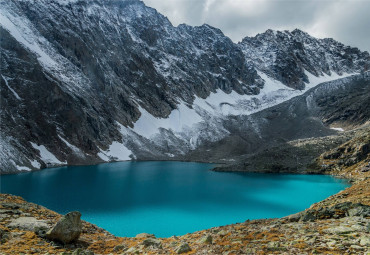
84,82
290,57
268,140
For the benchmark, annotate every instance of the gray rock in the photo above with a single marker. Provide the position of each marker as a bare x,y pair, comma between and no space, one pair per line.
120,247
359,210
152,242
340,230
311,241
132,250
173,244
80,251
206,239
273,245
331,243
308,216
4,236
365,241
294,217
222,233
145,235
184,247
29,224
67,229
357,247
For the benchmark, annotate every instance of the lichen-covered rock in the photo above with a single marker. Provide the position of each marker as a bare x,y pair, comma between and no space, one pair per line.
183,248
365,241
28,223
4,236
120,248
67,229
206,239
80,251
145,235
152,242
222,233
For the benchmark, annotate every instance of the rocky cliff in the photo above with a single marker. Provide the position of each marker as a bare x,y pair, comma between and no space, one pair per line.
84,82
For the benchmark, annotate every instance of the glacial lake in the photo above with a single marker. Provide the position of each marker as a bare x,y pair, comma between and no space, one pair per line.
168,198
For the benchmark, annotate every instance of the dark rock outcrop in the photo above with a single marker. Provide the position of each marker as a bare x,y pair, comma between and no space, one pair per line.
341,210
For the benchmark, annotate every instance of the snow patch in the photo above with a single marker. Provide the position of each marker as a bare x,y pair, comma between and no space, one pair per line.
20,36
72,147
337,129
314,81
12,90
35,164
184,121
118,151
22,168
102,155
66,2
182,117
46,155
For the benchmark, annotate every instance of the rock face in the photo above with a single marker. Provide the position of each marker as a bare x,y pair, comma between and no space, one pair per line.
287,56
84,82
29,223
67,229
275,132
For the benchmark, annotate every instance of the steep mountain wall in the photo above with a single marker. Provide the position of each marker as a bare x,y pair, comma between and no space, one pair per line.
84,82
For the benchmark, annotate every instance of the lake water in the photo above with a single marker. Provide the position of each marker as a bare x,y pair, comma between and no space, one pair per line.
168,198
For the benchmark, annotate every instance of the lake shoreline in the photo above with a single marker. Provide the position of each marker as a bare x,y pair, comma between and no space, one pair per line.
338,224
263,235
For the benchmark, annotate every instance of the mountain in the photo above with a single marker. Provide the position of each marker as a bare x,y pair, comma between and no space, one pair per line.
84,82
288,137
287,56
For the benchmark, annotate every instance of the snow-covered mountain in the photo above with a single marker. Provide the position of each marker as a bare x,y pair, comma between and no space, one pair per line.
84,82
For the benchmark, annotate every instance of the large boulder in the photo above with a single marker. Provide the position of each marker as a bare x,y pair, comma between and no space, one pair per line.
152,242
67,229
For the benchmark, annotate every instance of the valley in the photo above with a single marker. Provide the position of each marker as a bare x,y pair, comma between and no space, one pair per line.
108,108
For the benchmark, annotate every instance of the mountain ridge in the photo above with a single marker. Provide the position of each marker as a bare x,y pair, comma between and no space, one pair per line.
83,81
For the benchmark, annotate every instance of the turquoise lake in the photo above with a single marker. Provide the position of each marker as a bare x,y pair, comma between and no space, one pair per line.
168,198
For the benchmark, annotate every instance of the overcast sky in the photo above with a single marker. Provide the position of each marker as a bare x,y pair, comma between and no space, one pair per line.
347,21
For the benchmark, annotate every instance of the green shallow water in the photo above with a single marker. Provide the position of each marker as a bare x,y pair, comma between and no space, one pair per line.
168,198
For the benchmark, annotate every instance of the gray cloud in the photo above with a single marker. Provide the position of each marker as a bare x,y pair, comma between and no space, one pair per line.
347,21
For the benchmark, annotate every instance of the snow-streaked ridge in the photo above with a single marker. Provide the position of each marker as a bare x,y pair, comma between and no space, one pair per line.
22,30
46,156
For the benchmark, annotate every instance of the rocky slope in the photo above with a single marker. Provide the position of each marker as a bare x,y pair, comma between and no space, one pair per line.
287,56
84,82
273,132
